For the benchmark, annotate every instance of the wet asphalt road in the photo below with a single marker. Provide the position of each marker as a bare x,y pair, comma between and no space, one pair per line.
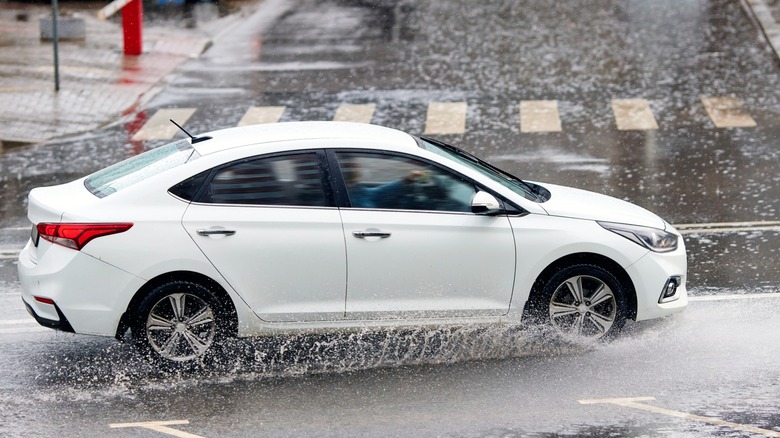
719,359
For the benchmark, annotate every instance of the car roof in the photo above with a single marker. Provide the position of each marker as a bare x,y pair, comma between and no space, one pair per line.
230,138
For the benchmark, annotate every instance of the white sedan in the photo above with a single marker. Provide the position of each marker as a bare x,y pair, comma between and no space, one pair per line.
308,226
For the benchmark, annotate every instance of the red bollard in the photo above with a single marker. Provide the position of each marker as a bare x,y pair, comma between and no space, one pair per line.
132,27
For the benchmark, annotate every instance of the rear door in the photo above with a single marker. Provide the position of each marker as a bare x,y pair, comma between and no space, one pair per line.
269,226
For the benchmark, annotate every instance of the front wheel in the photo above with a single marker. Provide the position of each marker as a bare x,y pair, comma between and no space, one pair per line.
178,323
582,302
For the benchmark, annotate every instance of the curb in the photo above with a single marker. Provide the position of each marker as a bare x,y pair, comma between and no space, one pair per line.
762,13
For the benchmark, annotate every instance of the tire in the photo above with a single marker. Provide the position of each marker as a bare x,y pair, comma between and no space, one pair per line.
179,324
581,302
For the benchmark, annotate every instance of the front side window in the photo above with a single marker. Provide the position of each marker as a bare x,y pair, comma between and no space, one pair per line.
292,180
402,183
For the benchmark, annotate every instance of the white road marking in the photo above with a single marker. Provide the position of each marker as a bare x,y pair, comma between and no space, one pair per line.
539,116
257,115
355,113
727,112
159,127
28,325
633,403
633,115
9,254
732,297
13,331
727,227
159,426
446,118
17,321
2,230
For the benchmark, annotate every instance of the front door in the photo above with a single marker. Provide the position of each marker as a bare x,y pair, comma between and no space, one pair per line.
414,249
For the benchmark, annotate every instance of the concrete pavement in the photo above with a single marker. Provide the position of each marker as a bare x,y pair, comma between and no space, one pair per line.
99,84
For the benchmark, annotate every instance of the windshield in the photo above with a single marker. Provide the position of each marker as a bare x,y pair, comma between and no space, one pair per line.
126,173
522,188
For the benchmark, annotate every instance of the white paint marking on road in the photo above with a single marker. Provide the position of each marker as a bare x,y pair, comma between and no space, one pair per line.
355,113
633,403
733,297
9,254
13,331
159,426
159,126
17,321
727,227
3,230
262,114
727,112
633,115
446,118
539,116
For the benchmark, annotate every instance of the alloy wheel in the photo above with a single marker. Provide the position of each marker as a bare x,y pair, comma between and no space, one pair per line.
583,306
181,327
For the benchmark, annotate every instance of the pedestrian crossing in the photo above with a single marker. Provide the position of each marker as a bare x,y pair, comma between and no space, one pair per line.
450,118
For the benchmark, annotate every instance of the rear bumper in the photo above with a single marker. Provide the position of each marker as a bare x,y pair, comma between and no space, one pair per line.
61,324
75,291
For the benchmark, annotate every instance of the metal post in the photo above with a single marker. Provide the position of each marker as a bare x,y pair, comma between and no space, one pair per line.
55,13
132,27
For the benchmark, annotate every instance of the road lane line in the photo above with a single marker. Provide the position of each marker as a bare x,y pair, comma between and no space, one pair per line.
633,403
727,227
257,115
159,127
16,321
9,254
633,115
539,116
13,331
355,113
159,426
727,112
446,118
732,297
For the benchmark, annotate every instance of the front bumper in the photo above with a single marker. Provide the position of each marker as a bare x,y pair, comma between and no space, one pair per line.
651,275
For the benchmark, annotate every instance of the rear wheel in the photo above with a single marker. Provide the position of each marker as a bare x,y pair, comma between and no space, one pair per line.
179,323
582,302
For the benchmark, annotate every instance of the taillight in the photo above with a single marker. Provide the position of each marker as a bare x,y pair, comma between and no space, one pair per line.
75,236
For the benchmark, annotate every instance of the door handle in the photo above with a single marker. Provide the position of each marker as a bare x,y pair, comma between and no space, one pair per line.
364,234
216,232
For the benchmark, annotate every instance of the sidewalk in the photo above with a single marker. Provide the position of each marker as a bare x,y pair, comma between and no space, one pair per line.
98,84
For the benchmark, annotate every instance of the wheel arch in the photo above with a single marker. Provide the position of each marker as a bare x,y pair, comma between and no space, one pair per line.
586,258
230,307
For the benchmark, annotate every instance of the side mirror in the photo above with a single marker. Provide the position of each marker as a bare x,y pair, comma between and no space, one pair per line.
485,204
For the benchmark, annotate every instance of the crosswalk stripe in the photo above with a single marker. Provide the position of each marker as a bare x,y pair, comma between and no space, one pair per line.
262,114
450,117
633,115
159,127
355,113
539,116
446,118
727,112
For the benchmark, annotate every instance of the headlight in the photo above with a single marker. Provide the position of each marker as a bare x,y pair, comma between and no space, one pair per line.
651,238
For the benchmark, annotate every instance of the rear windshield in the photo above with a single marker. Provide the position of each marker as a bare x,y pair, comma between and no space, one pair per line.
122,175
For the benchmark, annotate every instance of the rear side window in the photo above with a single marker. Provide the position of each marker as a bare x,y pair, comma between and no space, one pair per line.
122,175
290,180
